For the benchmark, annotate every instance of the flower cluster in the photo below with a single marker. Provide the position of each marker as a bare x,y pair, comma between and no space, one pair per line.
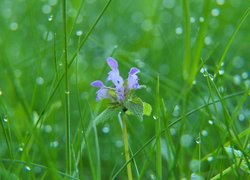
121,89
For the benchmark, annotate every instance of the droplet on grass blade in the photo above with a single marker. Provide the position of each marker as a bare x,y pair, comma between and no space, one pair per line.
27,168
198,140
186,140
237,79
46,9
13,26
1,93
106,129
50,18
210,158
215,12
241,117
79,33
179,30
211,122
204,133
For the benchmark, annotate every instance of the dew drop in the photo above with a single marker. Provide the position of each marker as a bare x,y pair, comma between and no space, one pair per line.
20,149
154,117
244,75
5,119
13,26
186,140
54,144
27,168
172,131
237,79
204,133
221,71
50,18
1,93
201,19
179,30
215,12
118,143
220,2
47,128
208,40
176,111
46,9
79,33
211,77
106,129
198,140
39,80
202,70
192,19
210,158
241,117
211,122
52,2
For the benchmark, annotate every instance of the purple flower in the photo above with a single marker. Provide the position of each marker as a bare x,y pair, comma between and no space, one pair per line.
133,79
119,88
102,93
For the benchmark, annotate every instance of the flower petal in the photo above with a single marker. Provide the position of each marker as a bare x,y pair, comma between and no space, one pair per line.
102,94
112,63
133,71
97,83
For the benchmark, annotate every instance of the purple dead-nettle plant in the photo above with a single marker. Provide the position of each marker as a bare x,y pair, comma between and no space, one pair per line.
122,93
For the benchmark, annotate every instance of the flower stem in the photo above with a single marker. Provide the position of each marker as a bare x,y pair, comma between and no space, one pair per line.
126,147
67,102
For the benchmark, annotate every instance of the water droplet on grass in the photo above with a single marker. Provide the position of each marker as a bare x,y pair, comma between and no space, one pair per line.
79,33
192,20
27,168
215,12
198,140
211,122
221,71
118,143
46,9
244,75
204,133
50,18
1,93
186,140
220,2
210,158
52,2
54,144
211,77
13,26
241,117
39,80
201,19
20,149
106,129
179,30
237,79
208,40
5,119
176,111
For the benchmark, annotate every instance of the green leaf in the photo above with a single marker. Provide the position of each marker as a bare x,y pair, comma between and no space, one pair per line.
107,114
147,109
135,106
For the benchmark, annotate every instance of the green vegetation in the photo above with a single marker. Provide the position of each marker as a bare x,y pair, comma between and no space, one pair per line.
193,58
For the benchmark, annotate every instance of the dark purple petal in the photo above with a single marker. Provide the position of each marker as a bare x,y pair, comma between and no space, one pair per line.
112,63
133,71
97,83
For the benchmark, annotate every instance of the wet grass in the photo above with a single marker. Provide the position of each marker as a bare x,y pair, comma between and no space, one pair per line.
193,59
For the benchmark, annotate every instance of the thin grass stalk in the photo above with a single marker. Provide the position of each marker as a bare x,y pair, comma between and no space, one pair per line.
126,147
158,132
67,102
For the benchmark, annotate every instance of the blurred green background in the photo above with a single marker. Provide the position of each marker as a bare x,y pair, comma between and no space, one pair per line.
149,35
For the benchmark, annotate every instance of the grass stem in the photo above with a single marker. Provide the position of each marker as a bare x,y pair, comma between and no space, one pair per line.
67,102
126,147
